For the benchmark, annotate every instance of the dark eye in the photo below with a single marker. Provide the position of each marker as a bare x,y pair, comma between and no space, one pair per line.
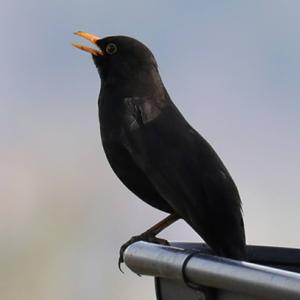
111,48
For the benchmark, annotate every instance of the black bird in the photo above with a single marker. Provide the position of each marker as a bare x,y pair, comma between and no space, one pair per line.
157,154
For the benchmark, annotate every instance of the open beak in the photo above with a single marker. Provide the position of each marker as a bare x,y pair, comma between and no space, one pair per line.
93,39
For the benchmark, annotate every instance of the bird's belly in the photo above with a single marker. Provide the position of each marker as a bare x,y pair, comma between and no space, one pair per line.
132,176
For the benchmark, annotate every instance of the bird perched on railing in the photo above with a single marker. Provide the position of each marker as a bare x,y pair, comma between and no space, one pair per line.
157,154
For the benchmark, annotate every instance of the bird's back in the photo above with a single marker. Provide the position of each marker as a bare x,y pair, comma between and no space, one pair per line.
189,174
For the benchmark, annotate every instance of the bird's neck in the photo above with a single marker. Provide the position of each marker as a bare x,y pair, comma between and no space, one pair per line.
141,84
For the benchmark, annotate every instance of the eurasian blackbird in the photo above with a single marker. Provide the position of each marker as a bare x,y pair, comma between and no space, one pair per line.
157,154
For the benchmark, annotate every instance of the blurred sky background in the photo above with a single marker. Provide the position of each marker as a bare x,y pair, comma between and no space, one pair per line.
232,67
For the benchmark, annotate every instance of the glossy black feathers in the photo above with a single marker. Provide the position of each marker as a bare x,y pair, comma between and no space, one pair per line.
158,155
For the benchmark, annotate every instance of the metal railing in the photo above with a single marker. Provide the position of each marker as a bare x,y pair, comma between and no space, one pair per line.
212,271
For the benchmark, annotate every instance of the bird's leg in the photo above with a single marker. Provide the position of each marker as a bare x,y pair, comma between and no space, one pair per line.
150,235
160,226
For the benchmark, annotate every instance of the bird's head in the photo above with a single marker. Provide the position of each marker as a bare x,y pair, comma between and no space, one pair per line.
119,57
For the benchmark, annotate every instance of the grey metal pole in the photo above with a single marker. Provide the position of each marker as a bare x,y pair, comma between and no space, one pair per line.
252,279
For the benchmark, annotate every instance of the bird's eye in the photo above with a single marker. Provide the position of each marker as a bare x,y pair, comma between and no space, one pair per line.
111,48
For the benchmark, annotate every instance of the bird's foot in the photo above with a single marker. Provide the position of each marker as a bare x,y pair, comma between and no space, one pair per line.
142,237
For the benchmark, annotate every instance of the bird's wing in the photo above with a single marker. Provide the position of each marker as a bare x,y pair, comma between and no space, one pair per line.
185,170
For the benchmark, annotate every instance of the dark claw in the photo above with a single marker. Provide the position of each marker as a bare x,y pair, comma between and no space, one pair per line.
121,260
123,248
142,237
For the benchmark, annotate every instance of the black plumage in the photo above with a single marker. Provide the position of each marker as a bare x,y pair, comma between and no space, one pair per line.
157,154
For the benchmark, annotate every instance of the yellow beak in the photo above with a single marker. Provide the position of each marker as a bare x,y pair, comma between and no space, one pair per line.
93,39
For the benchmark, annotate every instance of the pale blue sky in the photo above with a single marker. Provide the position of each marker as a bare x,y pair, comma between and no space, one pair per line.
232,67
